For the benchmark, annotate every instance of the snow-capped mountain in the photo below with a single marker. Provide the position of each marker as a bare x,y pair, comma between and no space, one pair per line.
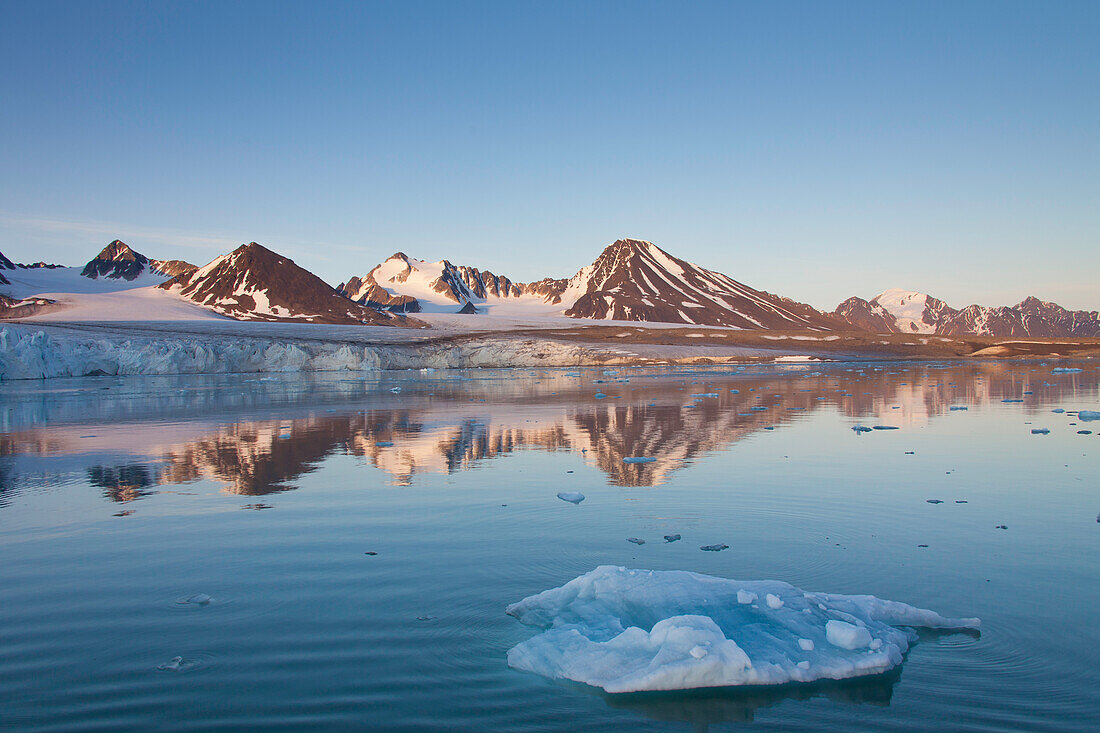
252,283
5,264
896,311
119,261
408,285
903,311
634,280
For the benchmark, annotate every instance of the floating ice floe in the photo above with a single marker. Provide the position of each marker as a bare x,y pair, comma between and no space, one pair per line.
956,408
885,427
573,497
628,630
672,537
1066,370
639,459
1088,415
714,548
861,428
636,540
1040,431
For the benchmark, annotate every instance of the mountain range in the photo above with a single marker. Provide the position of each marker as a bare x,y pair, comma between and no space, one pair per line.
631,280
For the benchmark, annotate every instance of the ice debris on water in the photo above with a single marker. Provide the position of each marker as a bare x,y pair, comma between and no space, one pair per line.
199,599
1088,415
1040,431
635,540
628,630
955,408
383,444
714,548
1058,410
885,427
1066,370
861,428
639,459
934,501
177,664
573,497
672,537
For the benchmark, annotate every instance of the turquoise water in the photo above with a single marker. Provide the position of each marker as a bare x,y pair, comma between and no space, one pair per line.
122,497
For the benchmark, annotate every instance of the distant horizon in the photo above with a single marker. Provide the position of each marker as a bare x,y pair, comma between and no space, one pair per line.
817,151
958,304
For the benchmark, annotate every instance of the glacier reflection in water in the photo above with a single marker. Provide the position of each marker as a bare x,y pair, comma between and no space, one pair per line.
408,509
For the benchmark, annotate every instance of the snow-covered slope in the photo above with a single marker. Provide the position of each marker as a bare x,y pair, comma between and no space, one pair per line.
252,283
52,281
405,284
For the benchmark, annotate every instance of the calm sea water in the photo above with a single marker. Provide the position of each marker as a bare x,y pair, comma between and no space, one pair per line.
120,498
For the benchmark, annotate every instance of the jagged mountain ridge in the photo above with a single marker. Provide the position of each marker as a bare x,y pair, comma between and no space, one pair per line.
421,280
252,283
900,311
631,280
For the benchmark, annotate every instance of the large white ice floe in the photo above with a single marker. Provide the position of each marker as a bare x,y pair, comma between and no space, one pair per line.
629,630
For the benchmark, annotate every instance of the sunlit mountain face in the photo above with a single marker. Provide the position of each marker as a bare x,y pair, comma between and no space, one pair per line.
135,438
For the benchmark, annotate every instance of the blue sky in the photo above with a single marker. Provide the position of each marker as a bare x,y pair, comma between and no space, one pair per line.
817,150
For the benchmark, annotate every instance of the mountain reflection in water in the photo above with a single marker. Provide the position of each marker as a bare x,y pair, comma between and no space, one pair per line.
258,436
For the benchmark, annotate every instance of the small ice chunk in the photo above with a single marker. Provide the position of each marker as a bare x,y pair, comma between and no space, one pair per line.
636,540
956,408
934,501
773,601
199,599
846,635
573,497
176,664
672,537
600,395
1040,431
1066,370
714,548
383,444
861,428
639,459
885,427
806,645
1088,415
1058,410
745,597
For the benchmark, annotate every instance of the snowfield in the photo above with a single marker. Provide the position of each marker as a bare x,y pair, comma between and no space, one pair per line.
628,630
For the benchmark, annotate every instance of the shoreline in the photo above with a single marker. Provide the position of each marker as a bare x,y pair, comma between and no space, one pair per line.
42,350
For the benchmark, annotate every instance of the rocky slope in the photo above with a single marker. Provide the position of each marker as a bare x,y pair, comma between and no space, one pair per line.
252,283
900,311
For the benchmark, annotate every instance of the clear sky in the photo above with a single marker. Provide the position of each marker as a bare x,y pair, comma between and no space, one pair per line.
818,150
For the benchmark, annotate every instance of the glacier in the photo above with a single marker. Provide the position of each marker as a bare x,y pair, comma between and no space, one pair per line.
28,353
626,630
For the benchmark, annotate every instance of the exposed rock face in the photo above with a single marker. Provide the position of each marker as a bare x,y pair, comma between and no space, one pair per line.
634,280
252,283
863,315
172,268
118,261
10,308
468,309
899,311
5,263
